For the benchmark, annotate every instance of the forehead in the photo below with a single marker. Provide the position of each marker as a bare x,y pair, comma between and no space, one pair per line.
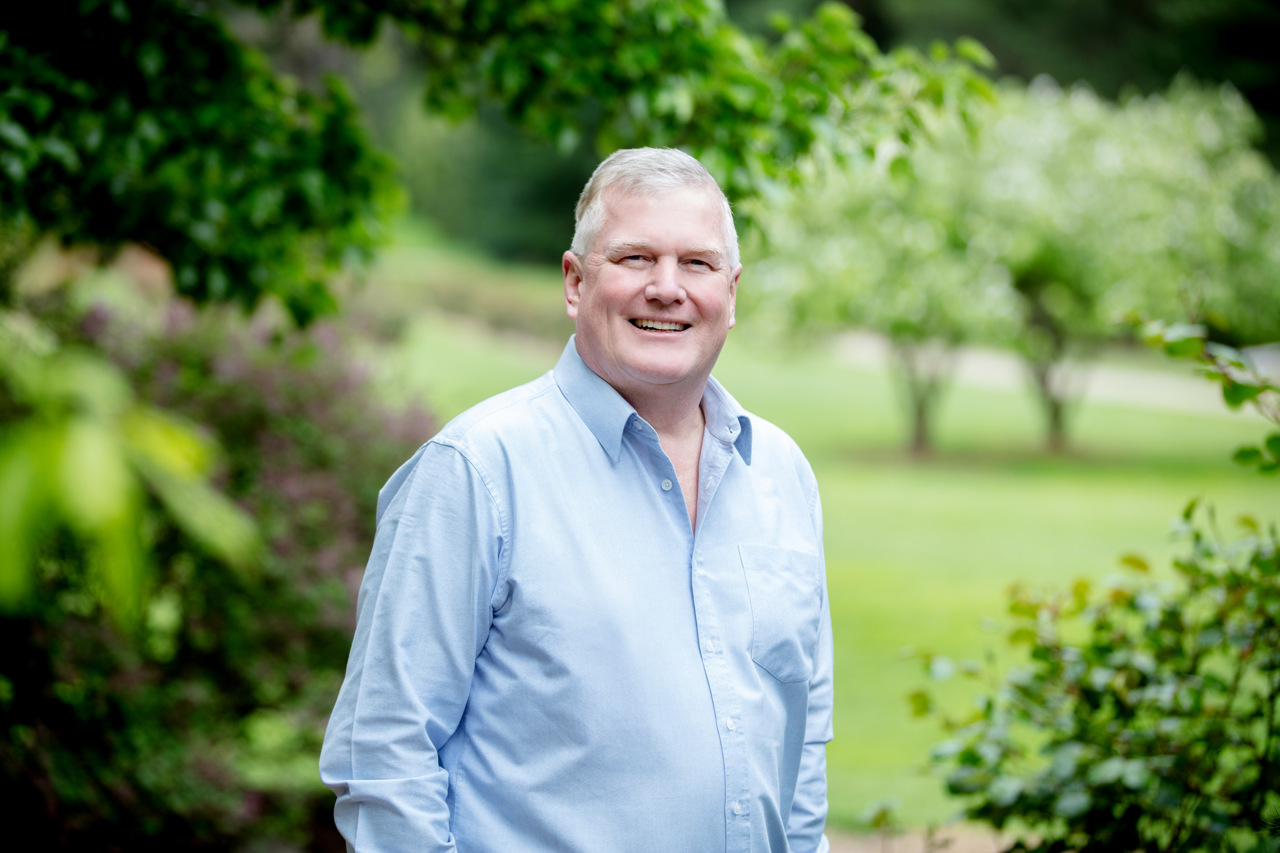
688,215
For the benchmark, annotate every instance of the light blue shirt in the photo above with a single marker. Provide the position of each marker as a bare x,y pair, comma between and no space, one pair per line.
547,657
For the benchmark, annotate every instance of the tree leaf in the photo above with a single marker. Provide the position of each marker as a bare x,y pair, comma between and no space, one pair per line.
1135,562
1004,791
1184,339
1072,804
1247,456
1107,771
1235,394
975,52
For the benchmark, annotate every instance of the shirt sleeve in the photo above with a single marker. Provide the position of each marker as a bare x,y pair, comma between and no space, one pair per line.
423,614
808,816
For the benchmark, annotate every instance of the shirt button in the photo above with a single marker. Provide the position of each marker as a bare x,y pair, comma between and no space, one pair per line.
737,808
711,645
730,724
666,485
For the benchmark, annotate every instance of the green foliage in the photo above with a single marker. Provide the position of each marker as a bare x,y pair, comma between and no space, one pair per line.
1115,47
80,456
662,72
145,121
488,184
200,725
1147,716
1038,220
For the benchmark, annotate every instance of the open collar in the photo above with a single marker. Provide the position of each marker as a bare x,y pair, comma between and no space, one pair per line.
607,414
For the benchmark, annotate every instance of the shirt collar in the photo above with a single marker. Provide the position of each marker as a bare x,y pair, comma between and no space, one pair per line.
726,420
606,414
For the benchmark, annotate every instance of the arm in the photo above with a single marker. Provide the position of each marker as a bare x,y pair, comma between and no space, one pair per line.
809,807
422,618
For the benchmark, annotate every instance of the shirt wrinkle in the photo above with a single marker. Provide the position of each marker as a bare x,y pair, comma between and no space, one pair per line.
504,522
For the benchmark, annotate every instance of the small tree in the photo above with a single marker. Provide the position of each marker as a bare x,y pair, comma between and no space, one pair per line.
897,268
866,240
1148,716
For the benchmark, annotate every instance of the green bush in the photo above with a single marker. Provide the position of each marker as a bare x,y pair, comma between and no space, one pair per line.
1147,716
201,728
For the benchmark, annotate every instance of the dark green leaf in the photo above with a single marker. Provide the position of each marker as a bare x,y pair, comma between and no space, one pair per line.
1235,394
1247,456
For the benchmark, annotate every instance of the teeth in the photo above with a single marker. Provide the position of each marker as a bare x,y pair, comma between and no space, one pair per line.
660,326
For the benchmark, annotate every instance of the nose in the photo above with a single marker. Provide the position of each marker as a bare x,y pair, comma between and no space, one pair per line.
664,283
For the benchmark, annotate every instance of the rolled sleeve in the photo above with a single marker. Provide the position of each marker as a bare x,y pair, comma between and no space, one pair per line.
423,614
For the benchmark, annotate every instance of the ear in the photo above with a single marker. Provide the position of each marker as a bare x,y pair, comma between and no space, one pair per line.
573,276
733,293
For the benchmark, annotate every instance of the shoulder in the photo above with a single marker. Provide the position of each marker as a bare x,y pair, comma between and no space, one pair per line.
469,452
772,452
774,449
509,425
501,413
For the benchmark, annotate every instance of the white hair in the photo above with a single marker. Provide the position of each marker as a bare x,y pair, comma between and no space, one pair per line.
645,172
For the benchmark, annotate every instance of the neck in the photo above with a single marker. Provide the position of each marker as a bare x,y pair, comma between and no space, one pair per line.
673,415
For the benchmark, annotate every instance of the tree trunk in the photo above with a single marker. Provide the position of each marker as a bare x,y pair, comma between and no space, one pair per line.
923,368
1053,402
1056,412
921,442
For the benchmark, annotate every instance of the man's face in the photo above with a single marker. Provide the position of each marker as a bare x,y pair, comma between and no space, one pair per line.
653,299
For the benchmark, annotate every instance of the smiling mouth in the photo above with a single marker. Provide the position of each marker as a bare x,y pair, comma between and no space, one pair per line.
659,326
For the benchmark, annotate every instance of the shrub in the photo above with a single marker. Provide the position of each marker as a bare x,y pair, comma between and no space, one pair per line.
1147,716
202,728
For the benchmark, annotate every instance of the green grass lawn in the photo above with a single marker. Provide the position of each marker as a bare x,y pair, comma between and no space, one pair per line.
919,552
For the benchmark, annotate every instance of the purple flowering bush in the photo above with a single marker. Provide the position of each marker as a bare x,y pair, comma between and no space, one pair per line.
201,728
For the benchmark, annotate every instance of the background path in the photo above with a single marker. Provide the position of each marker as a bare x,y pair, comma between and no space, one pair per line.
1175,389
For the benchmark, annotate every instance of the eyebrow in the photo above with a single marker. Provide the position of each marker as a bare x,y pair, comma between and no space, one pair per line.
621,246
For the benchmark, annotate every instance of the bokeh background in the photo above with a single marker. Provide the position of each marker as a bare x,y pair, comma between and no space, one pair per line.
1012,282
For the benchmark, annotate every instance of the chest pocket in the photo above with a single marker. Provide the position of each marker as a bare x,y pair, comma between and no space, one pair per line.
785,587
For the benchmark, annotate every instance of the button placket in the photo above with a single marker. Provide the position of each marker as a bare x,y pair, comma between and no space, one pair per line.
726,703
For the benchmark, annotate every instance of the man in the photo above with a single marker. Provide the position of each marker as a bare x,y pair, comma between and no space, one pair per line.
595,615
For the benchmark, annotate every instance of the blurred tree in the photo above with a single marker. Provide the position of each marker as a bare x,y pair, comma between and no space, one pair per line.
1142,44
1041,226
145,121
895,264
485,179
664,72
